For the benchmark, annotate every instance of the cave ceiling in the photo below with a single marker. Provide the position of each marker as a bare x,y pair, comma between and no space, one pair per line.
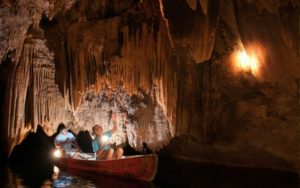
166,67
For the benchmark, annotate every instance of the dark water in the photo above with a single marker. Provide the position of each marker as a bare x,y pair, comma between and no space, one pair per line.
171,173
35,177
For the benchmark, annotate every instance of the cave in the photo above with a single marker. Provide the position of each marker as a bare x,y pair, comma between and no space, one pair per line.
209,81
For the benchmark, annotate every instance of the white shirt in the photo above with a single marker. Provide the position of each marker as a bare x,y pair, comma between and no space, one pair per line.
62,138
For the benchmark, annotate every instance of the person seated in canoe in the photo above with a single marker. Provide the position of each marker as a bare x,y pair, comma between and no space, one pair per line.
100,143
64,139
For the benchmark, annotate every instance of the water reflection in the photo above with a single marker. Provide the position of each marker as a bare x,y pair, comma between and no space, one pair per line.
63,181
171,173
81,178
54,177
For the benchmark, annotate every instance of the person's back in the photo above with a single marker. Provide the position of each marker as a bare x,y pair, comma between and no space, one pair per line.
64,140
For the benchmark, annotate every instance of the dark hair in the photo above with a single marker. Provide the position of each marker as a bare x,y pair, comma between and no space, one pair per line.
94,127
60,127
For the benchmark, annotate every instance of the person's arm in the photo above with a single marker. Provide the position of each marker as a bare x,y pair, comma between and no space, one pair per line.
115,128
71,137
60,143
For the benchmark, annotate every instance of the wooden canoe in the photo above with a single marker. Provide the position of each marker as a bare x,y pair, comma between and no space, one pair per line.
140,167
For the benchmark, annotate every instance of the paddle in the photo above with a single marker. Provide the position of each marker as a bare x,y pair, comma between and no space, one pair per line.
76,145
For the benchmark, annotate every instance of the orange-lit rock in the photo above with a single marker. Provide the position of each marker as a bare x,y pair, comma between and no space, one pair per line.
251,61
166,67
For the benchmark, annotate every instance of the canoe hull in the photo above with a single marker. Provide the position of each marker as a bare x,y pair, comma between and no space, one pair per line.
141,167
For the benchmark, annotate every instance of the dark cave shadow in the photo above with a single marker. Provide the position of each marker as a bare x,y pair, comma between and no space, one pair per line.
174,172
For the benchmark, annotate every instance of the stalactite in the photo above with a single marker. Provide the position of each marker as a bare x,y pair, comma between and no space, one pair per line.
33,76
192,4
144,52
193,29
163,66
15,97
97,61
45,90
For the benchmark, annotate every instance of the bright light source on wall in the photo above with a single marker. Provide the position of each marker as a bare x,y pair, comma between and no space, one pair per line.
247,62
244,61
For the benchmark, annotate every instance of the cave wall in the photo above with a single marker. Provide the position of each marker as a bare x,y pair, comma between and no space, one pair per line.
167,68
116,55
248,118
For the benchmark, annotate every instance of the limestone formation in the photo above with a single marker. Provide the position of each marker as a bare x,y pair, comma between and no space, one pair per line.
167,68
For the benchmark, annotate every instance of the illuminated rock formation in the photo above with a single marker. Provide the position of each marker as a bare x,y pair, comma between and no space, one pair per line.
168,68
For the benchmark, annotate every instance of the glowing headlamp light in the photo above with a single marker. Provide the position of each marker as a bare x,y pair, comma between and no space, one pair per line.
55,169
104,138
57,153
